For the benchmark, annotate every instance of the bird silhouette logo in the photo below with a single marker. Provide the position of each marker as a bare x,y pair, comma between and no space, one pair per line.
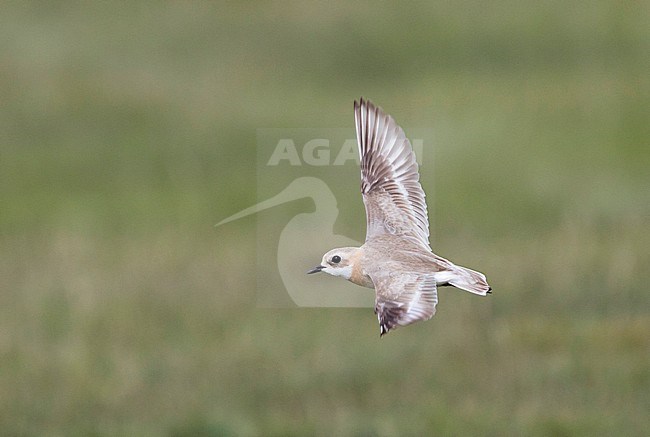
316,227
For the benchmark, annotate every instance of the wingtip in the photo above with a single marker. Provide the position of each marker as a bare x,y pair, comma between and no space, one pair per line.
363,102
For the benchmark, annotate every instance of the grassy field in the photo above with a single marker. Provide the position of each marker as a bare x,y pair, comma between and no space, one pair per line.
127,131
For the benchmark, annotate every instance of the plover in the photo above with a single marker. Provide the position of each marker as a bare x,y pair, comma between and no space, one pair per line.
396,258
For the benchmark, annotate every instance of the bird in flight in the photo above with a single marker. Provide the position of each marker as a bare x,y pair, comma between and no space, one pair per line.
396,258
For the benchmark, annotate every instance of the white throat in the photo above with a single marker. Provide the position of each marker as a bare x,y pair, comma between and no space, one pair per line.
345,272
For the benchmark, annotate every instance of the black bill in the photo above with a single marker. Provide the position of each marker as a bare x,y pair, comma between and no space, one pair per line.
315,270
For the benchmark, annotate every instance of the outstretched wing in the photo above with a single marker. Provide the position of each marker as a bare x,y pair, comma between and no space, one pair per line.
404,298
390,185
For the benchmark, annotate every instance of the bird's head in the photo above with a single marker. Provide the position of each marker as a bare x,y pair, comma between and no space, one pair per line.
338,262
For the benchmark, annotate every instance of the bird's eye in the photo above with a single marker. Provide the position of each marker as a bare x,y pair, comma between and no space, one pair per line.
336,259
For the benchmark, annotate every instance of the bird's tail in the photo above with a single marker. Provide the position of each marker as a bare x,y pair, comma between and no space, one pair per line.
470,280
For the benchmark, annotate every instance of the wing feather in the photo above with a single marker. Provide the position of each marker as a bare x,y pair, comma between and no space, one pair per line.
404,298
392,194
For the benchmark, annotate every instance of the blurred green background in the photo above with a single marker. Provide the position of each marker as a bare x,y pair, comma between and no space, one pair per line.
128,129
